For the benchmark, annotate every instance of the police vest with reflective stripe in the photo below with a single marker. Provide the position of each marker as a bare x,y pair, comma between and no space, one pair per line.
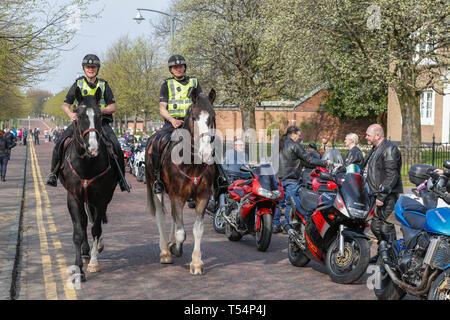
179,102
86,90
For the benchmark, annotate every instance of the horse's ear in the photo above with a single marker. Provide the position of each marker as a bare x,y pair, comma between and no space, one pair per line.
98,95
193,94
212,95
78,95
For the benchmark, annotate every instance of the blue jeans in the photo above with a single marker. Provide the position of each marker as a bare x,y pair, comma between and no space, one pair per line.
289,187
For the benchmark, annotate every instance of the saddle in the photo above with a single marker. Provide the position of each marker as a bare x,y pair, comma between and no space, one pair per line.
159,144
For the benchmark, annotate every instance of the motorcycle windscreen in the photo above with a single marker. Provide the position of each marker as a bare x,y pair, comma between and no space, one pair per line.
333,155
266,177
353,192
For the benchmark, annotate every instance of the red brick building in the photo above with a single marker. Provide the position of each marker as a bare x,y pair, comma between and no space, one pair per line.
308,113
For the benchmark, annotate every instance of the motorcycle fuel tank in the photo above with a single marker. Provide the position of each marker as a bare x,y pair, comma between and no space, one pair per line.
438,221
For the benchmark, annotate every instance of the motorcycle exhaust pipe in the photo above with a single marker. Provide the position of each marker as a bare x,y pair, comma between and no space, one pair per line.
294,235
425,283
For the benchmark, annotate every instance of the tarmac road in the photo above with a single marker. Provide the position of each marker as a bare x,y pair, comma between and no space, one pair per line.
130,268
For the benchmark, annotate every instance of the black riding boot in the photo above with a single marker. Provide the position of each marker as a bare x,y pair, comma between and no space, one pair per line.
52,179
158,186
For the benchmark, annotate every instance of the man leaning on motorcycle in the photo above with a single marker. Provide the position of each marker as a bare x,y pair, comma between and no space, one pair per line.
292,156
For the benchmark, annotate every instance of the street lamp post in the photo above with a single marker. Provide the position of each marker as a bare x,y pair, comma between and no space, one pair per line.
139,18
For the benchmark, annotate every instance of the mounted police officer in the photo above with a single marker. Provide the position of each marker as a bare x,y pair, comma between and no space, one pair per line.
88,85
174,102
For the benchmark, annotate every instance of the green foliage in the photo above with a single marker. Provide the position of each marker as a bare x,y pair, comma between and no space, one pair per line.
52,106
134,71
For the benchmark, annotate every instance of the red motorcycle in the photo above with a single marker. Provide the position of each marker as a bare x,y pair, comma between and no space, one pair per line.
251,204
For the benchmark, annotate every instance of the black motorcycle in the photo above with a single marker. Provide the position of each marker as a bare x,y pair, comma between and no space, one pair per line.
327,224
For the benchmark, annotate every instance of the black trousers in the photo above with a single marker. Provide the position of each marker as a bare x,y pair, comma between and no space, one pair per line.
167,129
382,229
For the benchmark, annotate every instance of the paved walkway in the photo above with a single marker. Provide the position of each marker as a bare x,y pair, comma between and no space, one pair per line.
11,203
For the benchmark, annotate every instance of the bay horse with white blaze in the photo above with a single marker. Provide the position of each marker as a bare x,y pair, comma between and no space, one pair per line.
192,177
89,178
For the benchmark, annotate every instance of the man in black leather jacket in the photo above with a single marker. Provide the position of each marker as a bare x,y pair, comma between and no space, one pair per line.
382,168
291,159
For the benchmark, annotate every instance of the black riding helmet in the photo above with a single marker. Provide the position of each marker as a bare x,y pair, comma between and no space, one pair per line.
91,60
177,60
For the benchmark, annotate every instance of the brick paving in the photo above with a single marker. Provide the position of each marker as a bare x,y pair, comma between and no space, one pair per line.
130,268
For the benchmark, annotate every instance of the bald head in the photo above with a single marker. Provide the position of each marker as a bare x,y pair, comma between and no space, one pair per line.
374,134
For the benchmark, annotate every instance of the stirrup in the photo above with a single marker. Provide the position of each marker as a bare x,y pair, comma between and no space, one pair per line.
158,187
52,179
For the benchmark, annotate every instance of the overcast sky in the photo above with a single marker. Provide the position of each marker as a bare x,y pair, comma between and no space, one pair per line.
96,37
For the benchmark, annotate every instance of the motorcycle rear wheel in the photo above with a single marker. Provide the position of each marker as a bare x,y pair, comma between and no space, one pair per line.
295,254
352,266
219,221
232,234
264,235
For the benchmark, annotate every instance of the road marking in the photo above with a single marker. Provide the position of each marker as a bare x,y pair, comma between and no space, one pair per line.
49,283
61,261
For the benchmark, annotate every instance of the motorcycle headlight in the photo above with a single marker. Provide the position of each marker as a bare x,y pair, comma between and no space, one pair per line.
268,194
357,213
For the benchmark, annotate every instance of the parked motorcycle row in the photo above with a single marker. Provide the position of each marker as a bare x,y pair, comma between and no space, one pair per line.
134,156
329,213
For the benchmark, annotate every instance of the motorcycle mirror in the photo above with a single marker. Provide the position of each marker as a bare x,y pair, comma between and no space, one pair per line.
385,189
313,145
447,164
245,168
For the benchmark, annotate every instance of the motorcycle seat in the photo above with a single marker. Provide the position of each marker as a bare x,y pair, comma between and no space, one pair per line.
409,204
309,201
414,214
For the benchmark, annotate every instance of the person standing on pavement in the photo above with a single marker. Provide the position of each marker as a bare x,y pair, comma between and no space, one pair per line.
382,168
354,154
292,157
5,152
36,133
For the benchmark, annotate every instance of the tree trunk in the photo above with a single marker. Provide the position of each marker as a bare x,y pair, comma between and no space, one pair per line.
135,122
248,118
409,101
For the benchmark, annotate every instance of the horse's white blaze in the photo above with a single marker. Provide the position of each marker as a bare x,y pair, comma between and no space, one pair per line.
93,145
205,148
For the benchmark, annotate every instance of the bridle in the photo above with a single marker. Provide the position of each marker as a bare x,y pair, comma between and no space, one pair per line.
79,137
196,180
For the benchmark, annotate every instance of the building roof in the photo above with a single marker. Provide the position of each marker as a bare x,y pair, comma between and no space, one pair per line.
311,94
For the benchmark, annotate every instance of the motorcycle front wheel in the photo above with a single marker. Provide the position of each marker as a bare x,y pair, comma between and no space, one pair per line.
264,234
435,293
352,265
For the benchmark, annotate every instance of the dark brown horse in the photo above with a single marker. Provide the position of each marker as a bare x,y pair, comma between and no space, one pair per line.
191,177
89,179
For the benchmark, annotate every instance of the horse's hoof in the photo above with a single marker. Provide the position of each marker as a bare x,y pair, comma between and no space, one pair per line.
86,259
173,248
166,260
93,268
197,269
